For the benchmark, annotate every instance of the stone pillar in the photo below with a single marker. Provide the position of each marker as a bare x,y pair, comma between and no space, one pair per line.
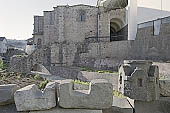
132,19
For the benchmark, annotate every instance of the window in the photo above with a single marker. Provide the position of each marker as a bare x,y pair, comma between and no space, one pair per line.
82,16
120,79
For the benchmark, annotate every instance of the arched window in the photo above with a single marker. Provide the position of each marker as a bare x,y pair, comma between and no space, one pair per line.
82,15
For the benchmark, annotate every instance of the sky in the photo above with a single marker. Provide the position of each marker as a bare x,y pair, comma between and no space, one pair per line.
16,16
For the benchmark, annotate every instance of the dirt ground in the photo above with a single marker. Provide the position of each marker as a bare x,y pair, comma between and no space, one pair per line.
20,79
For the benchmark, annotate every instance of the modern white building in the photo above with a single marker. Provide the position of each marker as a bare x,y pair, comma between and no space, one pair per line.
3,45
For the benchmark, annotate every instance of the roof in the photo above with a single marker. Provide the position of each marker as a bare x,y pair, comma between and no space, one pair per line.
2,38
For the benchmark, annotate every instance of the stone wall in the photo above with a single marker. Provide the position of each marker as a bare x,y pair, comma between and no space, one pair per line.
75,23
107,55
146,47
27,63
11,52
110,77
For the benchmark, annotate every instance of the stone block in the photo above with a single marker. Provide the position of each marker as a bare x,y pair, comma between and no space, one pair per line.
11,108
7,93
60,110
165,88
110,77
80,86
139,80
99,95
31,98
120,105
158,106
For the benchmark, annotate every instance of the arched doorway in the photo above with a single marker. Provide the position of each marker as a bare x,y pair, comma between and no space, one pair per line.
117,30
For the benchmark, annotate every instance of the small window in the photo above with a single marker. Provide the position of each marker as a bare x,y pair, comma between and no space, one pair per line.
139,82
82,16
120,79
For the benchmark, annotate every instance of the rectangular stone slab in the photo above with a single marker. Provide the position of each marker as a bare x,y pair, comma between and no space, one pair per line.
99,95
31,98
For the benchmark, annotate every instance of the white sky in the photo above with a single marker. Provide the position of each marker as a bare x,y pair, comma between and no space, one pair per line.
16,16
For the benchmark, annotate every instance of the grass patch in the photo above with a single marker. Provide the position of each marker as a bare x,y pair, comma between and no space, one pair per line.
99,71
43,84
37,77
1,64
81,82
118,94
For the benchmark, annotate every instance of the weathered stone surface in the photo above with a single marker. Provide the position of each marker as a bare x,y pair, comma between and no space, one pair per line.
158,106
110,77
165,88
80,86
120,105
139,80
7,93
31,98
99,95
60,110
11,108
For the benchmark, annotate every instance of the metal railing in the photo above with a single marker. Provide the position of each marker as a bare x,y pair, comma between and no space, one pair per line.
151,23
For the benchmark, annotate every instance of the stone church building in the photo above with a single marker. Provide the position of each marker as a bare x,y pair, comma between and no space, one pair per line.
67,29
76,24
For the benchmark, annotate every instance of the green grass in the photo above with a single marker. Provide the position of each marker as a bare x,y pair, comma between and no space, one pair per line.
81,82
19,55
118,94
99,71
37,77
43,84
1,64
